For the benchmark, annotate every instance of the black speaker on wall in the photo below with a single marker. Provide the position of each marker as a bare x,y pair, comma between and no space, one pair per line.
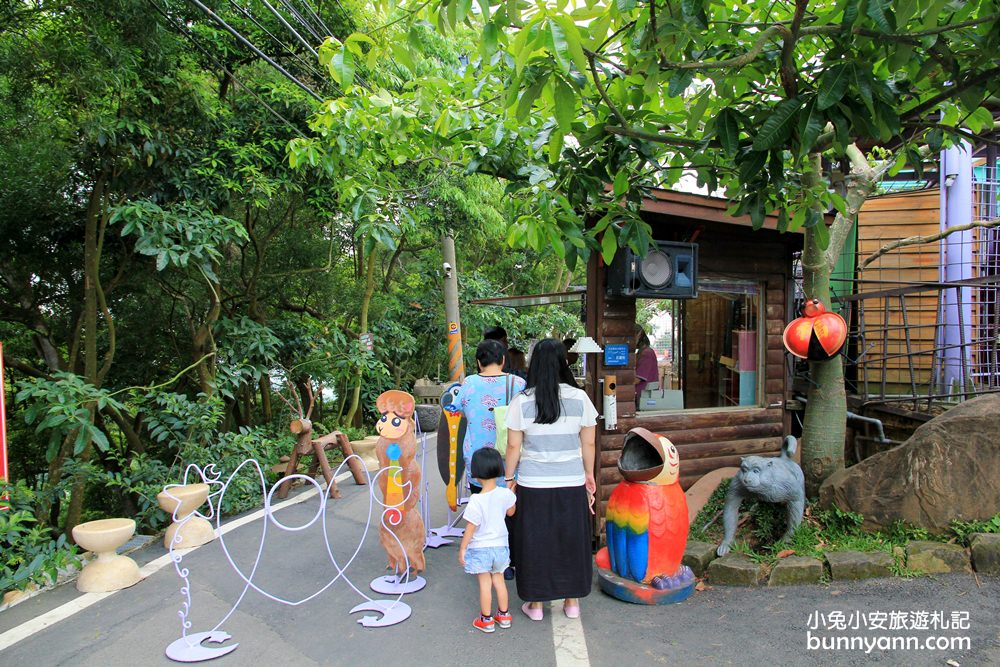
669,270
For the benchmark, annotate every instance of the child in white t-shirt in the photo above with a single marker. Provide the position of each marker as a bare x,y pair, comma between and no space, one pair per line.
484,551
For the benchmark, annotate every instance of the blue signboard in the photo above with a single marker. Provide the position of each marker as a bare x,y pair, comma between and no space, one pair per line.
616,355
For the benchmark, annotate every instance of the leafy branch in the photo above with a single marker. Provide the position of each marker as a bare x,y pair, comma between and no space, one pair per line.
636,133
786,32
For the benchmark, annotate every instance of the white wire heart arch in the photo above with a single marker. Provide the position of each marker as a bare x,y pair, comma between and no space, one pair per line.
188,648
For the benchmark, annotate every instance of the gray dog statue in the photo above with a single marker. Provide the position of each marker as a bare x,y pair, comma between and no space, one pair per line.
773,480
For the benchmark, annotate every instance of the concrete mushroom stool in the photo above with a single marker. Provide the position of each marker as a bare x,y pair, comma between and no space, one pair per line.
109,571
366,450
180,501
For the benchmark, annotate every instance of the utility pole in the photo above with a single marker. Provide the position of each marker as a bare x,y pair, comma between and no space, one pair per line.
456,362
450,427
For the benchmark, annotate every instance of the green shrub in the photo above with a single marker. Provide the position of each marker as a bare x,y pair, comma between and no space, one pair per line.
768,519
227,453
763,525
354,433
28,553
175,419
840,520
963,529
901,532
710,514
141,477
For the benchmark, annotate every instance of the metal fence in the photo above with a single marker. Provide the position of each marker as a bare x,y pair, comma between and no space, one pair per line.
925,319
985,353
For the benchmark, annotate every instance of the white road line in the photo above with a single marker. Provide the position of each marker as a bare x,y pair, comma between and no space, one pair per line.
568,639
78,604
39,623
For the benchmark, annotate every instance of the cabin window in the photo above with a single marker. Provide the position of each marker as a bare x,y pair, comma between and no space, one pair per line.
709,349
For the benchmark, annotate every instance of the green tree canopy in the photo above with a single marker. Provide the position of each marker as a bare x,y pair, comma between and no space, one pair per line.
789,107
169,275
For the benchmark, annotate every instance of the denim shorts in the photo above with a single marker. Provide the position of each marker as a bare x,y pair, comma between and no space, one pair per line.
486,560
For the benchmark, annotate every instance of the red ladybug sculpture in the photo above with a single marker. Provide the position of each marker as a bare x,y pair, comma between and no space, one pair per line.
817,335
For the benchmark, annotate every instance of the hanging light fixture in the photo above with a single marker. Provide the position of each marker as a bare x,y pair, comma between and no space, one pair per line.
585,345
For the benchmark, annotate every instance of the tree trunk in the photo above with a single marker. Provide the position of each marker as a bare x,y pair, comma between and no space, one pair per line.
55,475
91,267
234,416
560,272
825,424
341,404
265,397
204,343
824,428
203,347
365,303
247,397
320,414
132,439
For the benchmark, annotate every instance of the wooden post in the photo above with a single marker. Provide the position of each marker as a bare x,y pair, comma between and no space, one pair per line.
331,484
357,469
303,445
337,440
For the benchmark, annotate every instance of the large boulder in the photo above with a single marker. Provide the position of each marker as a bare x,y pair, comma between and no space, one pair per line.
948,469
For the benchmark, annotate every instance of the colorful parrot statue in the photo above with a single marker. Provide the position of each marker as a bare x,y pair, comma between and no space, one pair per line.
647,516
450,435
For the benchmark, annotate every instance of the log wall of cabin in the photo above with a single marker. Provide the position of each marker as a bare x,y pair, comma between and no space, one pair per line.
706,439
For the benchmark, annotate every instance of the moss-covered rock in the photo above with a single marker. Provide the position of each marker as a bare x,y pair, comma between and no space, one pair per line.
697,556
734,570
936,557
986,553
913,483
795,570
859,565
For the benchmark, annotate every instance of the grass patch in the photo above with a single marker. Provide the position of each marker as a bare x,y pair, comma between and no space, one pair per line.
821,531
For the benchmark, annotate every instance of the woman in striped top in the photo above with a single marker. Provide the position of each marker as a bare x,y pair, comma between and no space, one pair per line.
550,444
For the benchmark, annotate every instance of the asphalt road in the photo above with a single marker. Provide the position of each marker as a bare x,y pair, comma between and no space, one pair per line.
717,626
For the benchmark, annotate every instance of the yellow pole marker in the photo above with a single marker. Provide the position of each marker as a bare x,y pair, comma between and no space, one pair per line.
453,417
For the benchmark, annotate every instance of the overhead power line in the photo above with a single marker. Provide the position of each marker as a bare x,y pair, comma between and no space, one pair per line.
187,33
235,33
302,20
296,16
305,63
317,17
285,23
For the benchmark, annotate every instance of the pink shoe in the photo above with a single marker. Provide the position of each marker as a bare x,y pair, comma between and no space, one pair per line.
531,612
571,610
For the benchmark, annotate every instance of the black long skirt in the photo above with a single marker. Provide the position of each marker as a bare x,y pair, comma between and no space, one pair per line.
550,544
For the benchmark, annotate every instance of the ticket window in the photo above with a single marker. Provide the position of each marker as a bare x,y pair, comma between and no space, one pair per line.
707,347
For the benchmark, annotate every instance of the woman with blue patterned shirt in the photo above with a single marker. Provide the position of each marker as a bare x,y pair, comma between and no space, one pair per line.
480,394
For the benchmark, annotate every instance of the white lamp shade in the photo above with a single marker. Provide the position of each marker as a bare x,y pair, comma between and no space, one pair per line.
585,344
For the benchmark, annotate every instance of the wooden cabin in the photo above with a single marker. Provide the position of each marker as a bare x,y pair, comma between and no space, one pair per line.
728,377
